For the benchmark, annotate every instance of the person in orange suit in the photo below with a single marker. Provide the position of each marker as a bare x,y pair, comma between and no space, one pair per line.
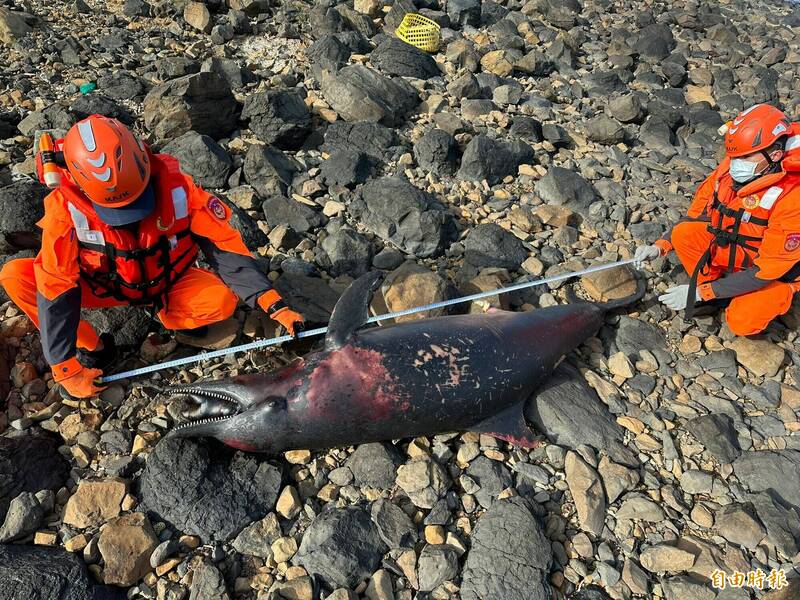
123,226
740,241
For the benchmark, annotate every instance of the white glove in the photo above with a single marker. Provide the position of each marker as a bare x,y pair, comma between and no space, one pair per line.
676,297
644,254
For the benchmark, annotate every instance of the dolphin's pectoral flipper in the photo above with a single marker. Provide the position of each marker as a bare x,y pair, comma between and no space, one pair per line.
509,425
351,310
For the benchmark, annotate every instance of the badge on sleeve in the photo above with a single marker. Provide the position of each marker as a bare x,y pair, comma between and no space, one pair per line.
750,202
792,242
216,207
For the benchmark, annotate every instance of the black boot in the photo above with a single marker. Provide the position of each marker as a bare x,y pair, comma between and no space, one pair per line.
706,308
99,359
197,332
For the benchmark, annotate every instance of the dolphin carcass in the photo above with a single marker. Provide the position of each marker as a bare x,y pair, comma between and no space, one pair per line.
420,378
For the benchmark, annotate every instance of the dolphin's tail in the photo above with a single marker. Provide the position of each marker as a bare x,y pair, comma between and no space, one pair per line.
641,288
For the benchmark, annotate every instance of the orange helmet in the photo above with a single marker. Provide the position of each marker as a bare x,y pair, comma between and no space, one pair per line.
107,161
754,129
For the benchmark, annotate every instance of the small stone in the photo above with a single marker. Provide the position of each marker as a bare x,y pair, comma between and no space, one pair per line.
435,534
297,457
635,578
289,503
167,566
640,508
380,586
95,502
423,480
256,539
587,493
76,543
760,357
664,558
198,16
126,544
283,549
45,538
738,524
702,516
620,365
24,515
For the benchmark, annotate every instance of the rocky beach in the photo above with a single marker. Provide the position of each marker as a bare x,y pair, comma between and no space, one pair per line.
543,137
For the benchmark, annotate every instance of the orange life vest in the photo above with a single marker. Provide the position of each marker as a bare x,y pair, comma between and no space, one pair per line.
140,267
739,218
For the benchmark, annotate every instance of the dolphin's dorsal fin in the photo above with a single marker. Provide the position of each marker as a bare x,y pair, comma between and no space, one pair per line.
351,310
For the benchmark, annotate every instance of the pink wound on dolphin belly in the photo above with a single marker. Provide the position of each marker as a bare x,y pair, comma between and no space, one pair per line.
240,445
360,374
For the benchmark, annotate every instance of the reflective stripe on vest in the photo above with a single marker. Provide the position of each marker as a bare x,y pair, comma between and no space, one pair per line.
769,197
180,205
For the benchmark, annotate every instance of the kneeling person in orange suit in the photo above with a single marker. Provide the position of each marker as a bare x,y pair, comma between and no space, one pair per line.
123,226
740,242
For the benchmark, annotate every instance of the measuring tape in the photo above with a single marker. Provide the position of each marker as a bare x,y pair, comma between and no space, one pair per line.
376,319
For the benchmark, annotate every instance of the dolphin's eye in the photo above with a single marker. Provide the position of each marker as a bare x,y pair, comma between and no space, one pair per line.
274,403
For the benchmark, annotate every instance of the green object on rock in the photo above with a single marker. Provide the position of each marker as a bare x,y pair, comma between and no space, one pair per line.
88,87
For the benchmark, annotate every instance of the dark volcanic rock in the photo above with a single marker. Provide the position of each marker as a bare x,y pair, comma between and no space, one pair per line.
634,334
492,476
121,85
394,57
374,465
395,527
268,170
22,207
563,187
278,117
173,67
492,160
30,463
782,523
342,546
436,564
373,139
510,556
202,158
128,324
39,573
98,104
361,94
717,433
347,168
311,296
437,151
489,245
202,102
464,12
252,236
227,68
398,212
327,55
208,491
655,41
605,130
570,414
279,210
773,472
348,251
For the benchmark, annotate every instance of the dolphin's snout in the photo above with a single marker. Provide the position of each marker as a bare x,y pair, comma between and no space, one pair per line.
197,403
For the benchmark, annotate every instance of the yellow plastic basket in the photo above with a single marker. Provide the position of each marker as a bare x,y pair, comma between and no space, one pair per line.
419,31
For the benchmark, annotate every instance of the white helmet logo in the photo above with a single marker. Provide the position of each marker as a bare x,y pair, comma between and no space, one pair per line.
779,128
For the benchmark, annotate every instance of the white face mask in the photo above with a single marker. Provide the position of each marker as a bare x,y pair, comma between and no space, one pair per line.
742,170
